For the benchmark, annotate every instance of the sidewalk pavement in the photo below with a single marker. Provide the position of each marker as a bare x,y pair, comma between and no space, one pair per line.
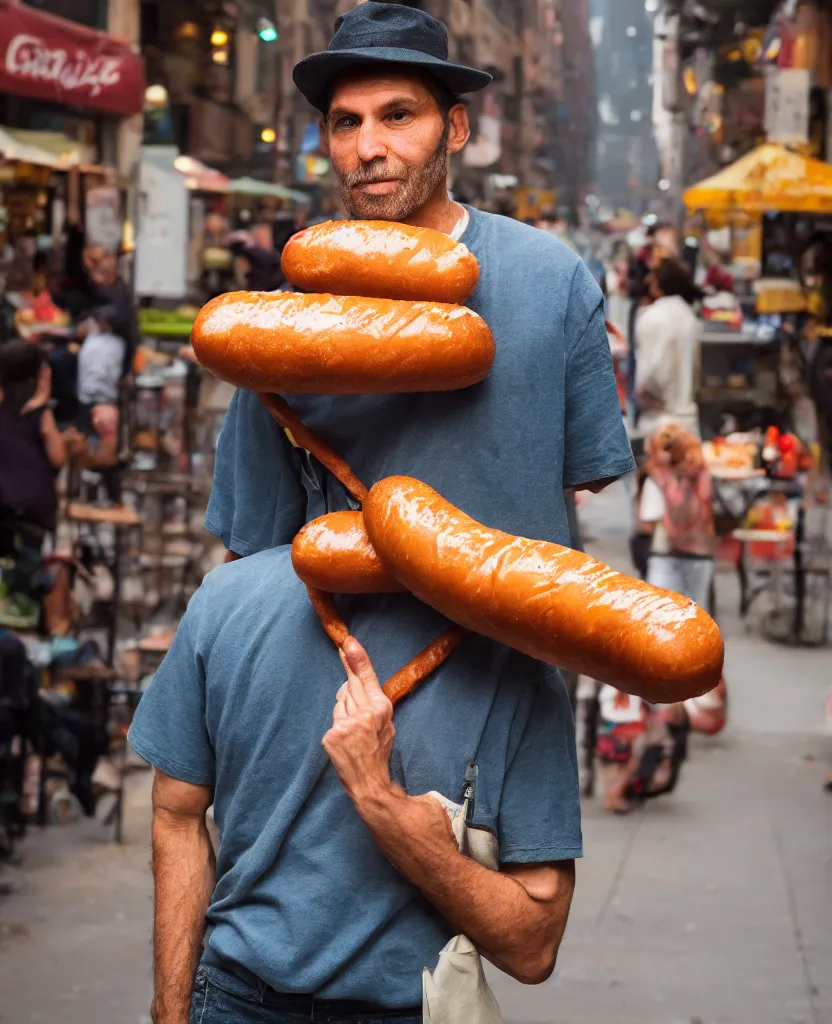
710,907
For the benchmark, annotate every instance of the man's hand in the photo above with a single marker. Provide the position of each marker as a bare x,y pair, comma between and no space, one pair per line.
105,420
515,917
361,738
43,390
85,328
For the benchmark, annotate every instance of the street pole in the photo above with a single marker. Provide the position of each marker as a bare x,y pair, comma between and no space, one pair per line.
669,119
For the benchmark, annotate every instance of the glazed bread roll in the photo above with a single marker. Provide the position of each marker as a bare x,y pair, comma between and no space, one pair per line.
558,605
380,259
340,345
333,553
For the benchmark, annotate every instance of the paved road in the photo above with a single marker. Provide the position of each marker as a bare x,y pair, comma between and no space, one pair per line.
714,906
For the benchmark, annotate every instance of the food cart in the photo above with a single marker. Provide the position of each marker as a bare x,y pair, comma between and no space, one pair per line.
751,373
770,496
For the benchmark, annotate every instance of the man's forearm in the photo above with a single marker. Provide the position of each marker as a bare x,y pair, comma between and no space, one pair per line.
185,873
508,925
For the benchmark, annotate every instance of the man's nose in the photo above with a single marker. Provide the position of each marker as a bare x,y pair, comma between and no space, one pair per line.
370,143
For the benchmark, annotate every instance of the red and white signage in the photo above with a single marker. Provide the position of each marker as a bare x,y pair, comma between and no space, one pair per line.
50,58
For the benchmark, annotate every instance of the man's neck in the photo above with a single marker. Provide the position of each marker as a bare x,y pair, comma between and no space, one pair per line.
439,212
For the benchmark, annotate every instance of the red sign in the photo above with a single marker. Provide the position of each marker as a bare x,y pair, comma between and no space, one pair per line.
50,58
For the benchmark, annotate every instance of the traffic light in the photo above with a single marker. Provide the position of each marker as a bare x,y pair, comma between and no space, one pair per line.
266,30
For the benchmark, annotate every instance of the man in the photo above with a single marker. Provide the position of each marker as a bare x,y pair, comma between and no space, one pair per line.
92,283
337,879
262,260
667,349
546,419
660,242
328,210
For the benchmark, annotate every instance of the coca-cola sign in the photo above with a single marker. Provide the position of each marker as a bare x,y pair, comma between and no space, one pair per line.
54,59
30,57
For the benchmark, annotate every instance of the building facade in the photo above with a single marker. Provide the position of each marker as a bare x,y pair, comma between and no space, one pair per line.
221,90
626,161
525,132
95,110
217,75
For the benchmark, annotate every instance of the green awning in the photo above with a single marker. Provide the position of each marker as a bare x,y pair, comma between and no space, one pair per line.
255,187
46,149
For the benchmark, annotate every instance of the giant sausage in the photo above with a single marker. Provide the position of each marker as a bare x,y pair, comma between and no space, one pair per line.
333,553
340,345
381,260
558,605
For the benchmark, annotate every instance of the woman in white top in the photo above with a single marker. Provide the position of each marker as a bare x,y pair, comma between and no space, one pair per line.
667,351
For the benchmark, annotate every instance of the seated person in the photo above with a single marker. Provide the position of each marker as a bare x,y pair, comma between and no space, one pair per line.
32,450
31,447
39,309
260,258
100,366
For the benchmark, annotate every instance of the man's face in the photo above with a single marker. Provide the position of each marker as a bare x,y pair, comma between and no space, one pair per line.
665,242
389,143
262,235
93,254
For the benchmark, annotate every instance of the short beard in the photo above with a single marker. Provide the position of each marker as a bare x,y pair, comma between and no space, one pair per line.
416,185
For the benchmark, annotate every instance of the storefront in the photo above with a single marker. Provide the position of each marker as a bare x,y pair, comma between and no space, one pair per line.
44,57
64,90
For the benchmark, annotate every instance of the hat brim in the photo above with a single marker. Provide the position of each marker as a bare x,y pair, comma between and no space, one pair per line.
314,74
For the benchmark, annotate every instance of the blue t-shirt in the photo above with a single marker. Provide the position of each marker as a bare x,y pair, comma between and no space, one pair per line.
546,418
304,900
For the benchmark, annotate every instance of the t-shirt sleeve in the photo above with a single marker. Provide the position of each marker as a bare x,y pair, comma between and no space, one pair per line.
596,443
169,728
540,807
257,501
652,507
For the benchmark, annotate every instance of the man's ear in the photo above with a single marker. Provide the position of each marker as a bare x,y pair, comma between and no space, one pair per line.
460,128
324,143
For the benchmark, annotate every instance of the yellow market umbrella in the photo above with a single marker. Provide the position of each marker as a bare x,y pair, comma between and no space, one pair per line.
768,178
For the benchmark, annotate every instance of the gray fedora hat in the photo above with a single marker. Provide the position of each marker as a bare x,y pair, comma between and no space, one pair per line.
384,33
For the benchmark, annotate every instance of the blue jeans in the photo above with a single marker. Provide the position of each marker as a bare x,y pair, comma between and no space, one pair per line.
688,576
222,998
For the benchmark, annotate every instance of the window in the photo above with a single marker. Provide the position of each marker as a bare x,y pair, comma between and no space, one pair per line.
519,76
92,13
150,32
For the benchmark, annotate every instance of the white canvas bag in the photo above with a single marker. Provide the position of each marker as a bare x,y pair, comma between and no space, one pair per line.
457,992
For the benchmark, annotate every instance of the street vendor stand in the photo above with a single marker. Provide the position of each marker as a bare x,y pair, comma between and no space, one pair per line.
778,523
762,369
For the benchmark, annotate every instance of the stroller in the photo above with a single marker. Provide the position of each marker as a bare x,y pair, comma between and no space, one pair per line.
644,786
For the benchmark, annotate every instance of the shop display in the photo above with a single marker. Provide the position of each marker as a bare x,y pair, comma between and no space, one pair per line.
723,454
167,323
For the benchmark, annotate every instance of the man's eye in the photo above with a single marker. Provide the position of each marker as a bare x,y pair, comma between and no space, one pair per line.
345,123
399,116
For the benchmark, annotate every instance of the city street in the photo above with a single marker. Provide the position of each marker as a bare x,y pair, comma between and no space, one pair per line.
710,907
431,263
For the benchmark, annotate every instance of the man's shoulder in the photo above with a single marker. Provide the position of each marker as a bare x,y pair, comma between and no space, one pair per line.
514,235
238,584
